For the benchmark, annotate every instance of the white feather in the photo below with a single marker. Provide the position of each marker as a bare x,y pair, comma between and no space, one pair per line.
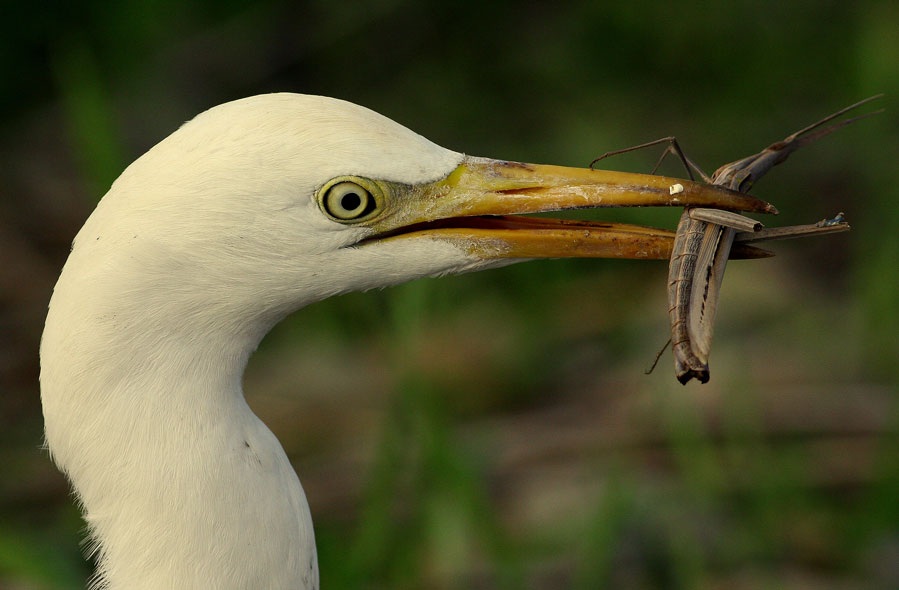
196,251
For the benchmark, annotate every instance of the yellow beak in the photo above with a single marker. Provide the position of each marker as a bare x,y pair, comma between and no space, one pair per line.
478,206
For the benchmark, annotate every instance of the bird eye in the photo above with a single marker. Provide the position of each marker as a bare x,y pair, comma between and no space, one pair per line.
346,200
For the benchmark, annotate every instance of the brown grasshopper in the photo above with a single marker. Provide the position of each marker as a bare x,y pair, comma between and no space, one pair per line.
702,246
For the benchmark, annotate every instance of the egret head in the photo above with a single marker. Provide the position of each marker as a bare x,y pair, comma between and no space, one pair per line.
262,205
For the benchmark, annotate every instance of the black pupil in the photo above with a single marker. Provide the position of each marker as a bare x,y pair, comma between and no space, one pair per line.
350,201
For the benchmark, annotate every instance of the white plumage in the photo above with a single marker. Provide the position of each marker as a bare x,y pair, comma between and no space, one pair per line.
196,251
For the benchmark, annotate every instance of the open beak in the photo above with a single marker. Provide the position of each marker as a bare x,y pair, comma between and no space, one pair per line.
479,207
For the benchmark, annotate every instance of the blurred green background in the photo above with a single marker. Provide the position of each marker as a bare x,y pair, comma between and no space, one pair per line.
497,430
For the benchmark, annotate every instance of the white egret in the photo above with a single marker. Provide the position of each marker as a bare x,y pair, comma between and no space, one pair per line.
248,212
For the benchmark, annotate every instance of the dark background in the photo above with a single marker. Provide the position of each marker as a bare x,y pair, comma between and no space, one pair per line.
497,430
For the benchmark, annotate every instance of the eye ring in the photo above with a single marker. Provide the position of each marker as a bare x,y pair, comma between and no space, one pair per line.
350,199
